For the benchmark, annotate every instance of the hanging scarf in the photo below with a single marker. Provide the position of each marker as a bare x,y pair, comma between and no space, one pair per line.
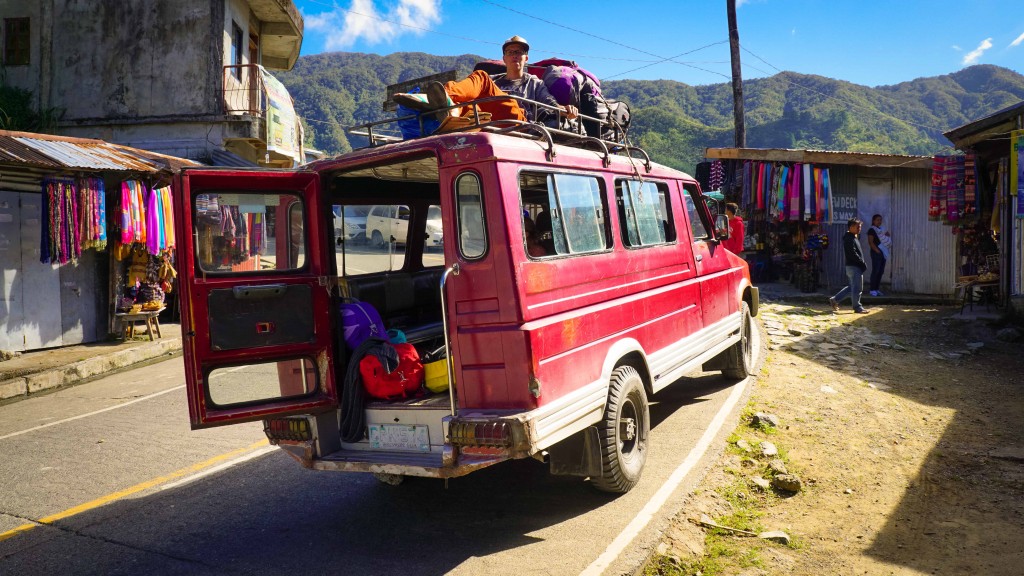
152,222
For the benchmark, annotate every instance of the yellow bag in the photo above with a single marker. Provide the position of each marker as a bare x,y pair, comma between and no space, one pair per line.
436,375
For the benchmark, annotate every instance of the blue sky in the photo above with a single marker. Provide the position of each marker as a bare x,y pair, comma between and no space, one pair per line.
869,42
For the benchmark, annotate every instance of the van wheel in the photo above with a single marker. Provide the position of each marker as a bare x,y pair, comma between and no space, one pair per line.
377,240
740,357
623,432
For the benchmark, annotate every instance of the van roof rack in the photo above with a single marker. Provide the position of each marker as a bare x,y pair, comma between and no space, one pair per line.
386,131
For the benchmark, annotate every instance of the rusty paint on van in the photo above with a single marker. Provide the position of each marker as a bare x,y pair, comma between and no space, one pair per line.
539,278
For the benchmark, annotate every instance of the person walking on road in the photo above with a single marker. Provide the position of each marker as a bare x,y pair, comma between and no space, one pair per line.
855,267
880,242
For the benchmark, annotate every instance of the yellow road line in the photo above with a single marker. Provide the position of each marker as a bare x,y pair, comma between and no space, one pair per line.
131,490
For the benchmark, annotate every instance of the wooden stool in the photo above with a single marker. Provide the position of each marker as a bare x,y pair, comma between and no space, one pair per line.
129,319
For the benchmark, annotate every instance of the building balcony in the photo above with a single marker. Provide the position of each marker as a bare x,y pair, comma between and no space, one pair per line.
262,124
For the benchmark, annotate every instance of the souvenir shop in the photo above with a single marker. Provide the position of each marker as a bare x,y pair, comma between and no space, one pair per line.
86,234
979,194
784,205
796,204
134,226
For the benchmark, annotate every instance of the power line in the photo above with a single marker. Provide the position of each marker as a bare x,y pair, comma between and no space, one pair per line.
673,60
457,37
602,38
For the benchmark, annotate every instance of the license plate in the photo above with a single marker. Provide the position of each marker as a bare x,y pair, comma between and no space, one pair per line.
399,437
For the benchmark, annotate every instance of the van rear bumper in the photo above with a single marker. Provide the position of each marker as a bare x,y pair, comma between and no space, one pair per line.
428,465
471,443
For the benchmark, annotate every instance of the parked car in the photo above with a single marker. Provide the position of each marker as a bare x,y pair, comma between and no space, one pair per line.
387,223
435,234
350,222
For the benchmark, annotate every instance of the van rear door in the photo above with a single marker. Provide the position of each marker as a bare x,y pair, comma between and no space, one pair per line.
253,274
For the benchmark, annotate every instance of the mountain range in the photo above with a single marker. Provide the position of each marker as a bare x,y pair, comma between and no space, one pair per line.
674,121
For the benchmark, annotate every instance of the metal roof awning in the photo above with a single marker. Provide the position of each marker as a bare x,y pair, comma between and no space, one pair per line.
995,124
60,153
868,159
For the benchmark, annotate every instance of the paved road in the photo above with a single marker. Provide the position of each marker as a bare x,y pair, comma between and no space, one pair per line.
106,478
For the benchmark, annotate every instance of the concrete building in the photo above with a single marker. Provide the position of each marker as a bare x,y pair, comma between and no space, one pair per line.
186,78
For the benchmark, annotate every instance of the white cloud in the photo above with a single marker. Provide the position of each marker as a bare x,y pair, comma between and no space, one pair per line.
972,56
1017,41
364,21
957,48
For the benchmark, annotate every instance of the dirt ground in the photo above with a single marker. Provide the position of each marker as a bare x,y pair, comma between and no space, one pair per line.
905,428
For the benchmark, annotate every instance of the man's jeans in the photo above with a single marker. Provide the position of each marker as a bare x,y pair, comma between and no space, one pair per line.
856,277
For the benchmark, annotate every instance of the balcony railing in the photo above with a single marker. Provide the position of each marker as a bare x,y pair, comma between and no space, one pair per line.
244,92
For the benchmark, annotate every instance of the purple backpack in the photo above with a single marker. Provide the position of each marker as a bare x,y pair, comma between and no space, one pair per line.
359,321
562,83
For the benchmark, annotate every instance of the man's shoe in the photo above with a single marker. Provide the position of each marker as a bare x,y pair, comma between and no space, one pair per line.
879,293
417,102
835,305
862,311
436,94
874,293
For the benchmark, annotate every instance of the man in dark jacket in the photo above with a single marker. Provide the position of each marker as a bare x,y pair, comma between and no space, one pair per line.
855,267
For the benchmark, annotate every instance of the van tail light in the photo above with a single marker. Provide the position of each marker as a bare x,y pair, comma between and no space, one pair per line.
497,434
289,429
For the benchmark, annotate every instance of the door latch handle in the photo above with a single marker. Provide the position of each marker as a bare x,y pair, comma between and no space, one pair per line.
700,257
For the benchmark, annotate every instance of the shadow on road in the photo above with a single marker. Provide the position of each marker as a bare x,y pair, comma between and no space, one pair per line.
270,516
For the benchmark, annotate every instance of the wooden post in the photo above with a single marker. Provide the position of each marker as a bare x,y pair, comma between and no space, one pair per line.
737,77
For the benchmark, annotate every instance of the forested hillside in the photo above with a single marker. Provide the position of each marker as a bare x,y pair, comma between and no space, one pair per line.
675,121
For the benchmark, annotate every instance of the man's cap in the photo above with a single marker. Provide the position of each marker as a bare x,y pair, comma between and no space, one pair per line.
516,40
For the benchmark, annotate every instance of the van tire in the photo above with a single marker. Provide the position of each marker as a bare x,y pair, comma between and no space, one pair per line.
623,432
740,357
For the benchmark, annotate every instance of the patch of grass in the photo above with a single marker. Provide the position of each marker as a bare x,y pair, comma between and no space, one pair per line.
745,505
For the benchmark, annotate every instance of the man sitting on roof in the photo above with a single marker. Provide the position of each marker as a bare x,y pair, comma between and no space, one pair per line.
516,81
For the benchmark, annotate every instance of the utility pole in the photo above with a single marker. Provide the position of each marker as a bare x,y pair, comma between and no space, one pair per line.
737,77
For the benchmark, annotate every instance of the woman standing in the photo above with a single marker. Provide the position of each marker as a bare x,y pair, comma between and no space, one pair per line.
880,242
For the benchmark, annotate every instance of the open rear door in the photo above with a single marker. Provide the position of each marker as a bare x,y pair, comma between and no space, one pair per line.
255,295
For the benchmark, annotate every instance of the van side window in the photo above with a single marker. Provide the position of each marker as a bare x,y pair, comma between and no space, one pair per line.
470,211
568,213
644,213
696,216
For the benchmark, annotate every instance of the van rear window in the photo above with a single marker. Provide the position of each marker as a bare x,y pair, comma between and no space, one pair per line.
245,232
566,212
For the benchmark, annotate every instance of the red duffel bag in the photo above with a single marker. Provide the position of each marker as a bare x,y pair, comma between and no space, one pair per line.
403,381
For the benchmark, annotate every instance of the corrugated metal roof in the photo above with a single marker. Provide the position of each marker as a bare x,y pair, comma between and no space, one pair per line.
58,152
821,157
224,158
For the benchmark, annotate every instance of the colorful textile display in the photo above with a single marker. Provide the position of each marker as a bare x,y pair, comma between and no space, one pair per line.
954,193
146,216
74,218
797,192
717,175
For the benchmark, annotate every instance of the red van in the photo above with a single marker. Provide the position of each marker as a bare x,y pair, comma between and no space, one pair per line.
566,286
